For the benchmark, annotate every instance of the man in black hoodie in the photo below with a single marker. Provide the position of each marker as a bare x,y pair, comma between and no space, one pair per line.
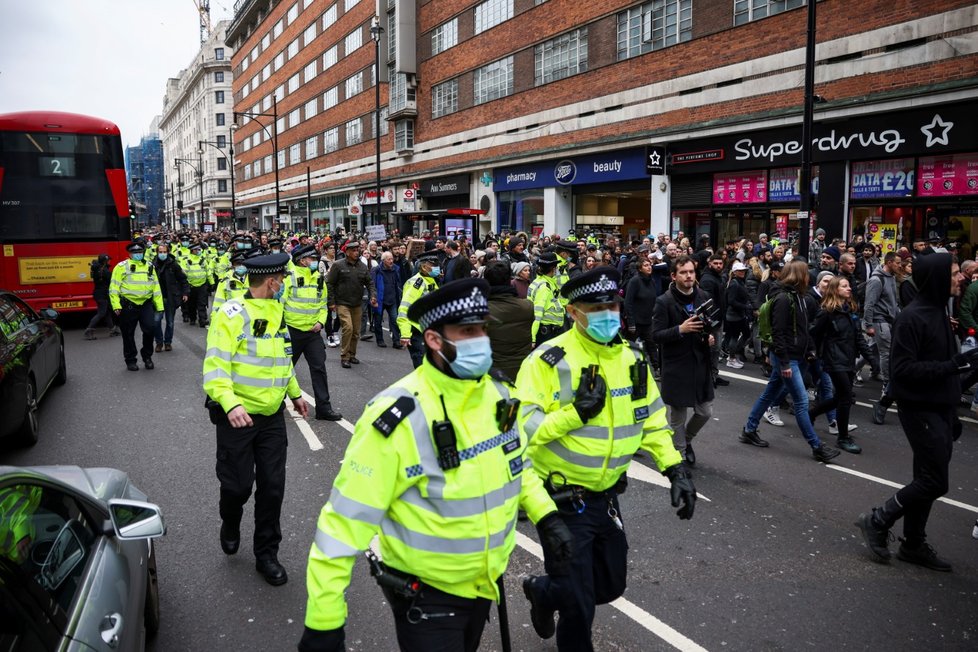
925,366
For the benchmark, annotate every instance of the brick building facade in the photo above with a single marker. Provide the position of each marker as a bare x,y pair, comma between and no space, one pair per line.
539,112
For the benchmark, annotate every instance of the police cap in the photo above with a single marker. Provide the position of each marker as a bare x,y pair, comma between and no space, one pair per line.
136,246
267,264
427,258
461,302
547,259
565,245
301,252
600,285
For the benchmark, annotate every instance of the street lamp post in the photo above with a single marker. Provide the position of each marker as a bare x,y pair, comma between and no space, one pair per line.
215,145
375,32
805,176
198,170
274,135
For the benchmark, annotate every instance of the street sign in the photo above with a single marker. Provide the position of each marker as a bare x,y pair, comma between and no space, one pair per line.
283,209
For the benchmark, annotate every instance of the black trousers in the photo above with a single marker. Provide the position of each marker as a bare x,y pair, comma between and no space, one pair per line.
196,305
423,623
250,456
416,348
144,315
104,312
311,345
930,433
391,312
597,573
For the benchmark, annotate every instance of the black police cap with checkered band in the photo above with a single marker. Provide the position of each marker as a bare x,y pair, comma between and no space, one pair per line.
459,302
599,285
268,264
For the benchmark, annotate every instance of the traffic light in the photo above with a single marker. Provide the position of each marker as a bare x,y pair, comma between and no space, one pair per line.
132,210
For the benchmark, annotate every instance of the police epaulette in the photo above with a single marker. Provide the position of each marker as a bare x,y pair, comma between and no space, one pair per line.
418,283
553,355
501,376
393,415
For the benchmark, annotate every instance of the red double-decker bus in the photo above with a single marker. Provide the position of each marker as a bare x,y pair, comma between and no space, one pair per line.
63,201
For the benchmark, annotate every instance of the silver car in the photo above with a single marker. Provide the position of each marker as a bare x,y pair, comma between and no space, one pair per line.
77,565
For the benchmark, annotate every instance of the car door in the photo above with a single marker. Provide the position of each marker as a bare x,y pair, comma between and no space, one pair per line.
14,366
40,336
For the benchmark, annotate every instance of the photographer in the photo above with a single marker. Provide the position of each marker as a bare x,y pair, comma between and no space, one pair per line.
683,319
101,275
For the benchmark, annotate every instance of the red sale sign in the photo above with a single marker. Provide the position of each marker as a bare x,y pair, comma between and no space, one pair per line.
740,187
947,176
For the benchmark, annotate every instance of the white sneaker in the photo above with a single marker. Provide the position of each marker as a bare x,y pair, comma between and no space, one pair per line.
734,363
773,416
333,341
834,428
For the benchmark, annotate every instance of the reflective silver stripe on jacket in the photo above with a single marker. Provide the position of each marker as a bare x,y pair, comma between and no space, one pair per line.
583,460
430,543
462,507
354,509
247,381
333,547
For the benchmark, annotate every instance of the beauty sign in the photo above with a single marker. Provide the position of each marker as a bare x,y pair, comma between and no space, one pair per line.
947,176
740,187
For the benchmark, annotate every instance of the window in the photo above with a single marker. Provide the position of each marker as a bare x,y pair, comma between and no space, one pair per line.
245,144
331,98
312,147
256,138
245,90
293,48
329,17
266,72
354,132
281,159
256,108
293,13
306,3
221,141
254,83
219,52
279,60
354,85
295,154
294,118
247,172
384,124
219,119
349,4
277,30
311,108
222,185
444,36
218,97
294,83
491,13
353,41
245,63
401,93
266,41
266,103
493,81
309,35
444,98
404,135
255,51
309,72
267,163
748,10
222,163
280,93
219,77
654,25
280,124
330,57
331,140
561,57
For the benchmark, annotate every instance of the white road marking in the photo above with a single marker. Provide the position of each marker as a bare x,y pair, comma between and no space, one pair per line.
305,429
343,423
763,381
643,473
888,483
630,609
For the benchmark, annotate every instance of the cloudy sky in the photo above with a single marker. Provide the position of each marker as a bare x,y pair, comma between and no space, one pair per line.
107,58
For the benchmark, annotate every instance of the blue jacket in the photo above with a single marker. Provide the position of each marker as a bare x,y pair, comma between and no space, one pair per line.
388,285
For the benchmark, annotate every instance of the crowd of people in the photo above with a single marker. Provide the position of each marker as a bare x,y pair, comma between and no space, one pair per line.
592,342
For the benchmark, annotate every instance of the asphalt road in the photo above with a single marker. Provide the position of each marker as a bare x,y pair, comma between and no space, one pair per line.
770,561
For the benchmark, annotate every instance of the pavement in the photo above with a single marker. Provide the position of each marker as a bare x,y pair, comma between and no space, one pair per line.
770,561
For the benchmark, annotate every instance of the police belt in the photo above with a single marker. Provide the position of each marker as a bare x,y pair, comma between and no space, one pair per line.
574,496
551,329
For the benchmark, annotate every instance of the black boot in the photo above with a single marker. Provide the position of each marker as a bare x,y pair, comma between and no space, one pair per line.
848,445
922,555
876,525
751,437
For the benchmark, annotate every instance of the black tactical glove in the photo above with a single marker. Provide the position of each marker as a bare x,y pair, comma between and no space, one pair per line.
682,491
330,640
557,542
590,401
966,361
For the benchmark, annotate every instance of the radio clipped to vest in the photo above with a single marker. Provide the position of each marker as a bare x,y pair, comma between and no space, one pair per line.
640,379
443,432
506,411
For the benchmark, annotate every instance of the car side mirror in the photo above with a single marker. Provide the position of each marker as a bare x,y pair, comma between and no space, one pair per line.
134,519
49,313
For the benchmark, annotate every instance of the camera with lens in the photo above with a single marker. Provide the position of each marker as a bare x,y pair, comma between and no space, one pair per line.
709,314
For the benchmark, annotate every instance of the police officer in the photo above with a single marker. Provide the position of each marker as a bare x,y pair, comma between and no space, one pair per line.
248,373
437,467
419,285
234,284
305,315
135,295
198,272
567,267
588,404
544,292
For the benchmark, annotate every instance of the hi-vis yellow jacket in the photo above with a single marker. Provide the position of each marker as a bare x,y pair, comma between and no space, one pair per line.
305,298
414,288
135,281
595,454
454,529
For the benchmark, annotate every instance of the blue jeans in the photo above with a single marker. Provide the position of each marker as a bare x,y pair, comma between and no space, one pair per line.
391,312
169,311
795,386
824,386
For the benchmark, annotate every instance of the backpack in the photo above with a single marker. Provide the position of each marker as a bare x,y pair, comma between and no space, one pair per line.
764,320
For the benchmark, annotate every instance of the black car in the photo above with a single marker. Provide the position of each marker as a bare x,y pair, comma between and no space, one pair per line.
32,359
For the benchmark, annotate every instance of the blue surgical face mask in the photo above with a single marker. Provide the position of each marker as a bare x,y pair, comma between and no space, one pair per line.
239,245
162,256
281,290
240,270
185,243
314,265
137,257
603,325
435,271
473,357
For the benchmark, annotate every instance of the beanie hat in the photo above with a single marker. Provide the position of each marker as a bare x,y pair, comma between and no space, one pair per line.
832,251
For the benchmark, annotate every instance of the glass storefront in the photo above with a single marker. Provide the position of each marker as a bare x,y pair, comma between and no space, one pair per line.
520,210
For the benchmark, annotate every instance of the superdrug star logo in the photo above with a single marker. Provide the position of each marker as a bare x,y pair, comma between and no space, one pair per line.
937,131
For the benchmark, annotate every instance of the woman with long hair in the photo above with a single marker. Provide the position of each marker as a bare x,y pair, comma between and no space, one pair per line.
838,338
